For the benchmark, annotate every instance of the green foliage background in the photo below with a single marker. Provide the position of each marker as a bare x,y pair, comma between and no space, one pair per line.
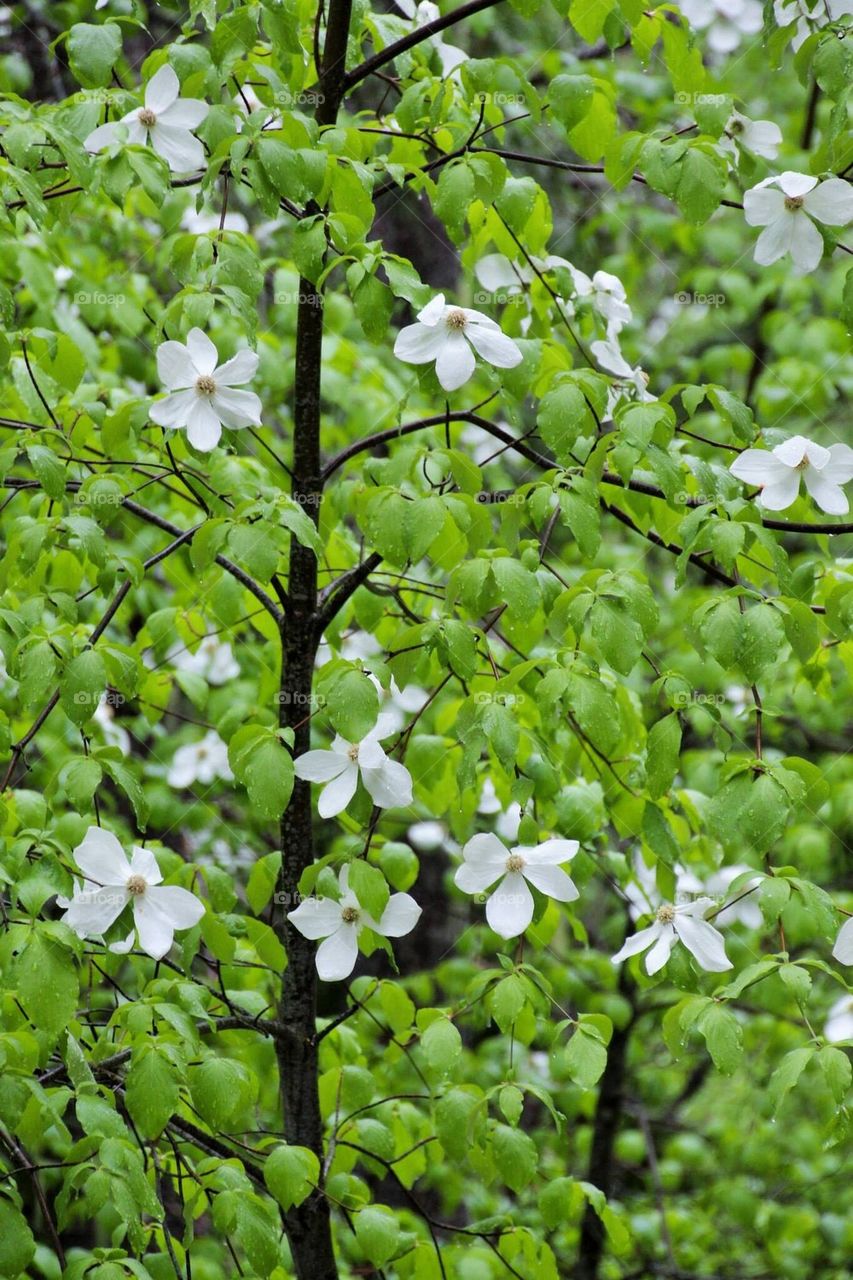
594,616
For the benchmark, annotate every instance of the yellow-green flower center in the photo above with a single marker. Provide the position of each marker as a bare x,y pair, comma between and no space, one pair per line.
205,385
793,203
147,117
514,862
349,915
456,319
137,885
666,913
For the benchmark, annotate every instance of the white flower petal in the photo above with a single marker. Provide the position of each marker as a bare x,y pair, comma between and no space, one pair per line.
337,794
780,494
509,909
548,853
493,346
126,944
778,238
104,136
792,451
320,766
316,917
180,907
91,913
203,426
759,466
399,917
433,312
181,150
175,366
389,786
185,113
638,942
202,351
703,941
155,929
495,272
830,497
143,863
173,411
763,205
796,184
660,952
162,90
419,344
336,956
455,362
831,202
843,949
839,469
553,882
236,409
241,368
101,858
807,248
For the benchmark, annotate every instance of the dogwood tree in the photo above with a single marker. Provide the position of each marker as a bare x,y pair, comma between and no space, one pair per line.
426,684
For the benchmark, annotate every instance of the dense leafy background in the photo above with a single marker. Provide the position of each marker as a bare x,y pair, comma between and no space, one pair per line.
595,650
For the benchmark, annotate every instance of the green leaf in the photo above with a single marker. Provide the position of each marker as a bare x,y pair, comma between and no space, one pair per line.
221,1088
378,1233
291,1174
786,1075
265,768
442,1046
352,703
152,1091
369,886
17,1246
723,1036
453,196
83,682
48,468
837,1069
93,51
47,984
515,1155
663,746
127,780
585,1057
563,416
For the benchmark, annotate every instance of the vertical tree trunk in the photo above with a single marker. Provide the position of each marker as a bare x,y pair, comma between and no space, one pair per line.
309,1225
608,1116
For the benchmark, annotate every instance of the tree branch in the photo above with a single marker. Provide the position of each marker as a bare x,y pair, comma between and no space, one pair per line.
392,51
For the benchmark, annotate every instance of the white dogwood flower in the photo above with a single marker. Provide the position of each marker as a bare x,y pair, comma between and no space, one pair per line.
203,398
785,205
674,924
606,292
809,16
843,949
339,922
111,882
165,121
450,336
777,472
760,137
449,55
388,783
202,761
726,21
839,1020
610,357
114,734
500,274
213,660
509,908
